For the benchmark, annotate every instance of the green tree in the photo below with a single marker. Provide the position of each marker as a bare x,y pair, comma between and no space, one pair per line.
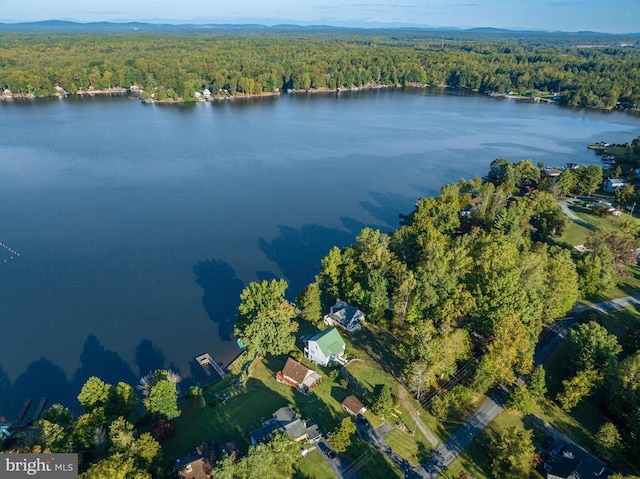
513,454
265,318
274,459
537,383
116,466
589,179
95,393
608,441
383,405
340,438
308,301
162,400
146,449
122,435
521,399
577,387
590,345
625,385
596,272
123,401
626,195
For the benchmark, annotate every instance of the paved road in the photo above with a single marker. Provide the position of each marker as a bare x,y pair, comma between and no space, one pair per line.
564,206
448,451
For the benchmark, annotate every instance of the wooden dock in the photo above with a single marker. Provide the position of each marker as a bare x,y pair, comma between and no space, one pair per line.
38,412
206,359
23,411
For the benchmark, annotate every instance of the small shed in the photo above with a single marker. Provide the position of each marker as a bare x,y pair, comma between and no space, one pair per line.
353,406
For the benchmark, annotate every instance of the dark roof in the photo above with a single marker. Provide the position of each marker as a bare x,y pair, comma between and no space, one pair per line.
198,464
295,370
353,404
232,449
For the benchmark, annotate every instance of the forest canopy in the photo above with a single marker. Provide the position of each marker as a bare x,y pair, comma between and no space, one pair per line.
176,65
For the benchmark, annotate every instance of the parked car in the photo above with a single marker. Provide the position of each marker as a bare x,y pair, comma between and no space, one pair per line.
327,450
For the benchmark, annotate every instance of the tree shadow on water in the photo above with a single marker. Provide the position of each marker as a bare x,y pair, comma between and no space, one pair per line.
221,289
388,207
298,251
5,389
148,358
43,379
106,364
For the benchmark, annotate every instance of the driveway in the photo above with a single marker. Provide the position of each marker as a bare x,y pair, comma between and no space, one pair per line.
564,206
340,465
447,452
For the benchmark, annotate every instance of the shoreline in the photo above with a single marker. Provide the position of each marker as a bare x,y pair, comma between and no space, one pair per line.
135,94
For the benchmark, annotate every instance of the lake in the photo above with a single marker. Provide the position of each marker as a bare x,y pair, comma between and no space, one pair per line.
137,226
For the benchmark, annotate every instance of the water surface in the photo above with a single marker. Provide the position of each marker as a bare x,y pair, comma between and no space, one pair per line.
138,225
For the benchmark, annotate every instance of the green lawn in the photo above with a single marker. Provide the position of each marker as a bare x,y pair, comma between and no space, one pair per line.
250,404
476,459
313,467
369,463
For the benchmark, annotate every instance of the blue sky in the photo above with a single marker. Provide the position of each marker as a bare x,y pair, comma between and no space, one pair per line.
568,15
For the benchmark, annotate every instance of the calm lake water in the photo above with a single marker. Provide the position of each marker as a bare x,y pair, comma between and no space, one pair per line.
138,225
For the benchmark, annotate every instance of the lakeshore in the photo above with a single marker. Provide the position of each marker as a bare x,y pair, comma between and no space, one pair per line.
134,246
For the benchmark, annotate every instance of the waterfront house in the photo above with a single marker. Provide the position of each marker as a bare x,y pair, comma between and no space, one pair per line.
324,347
551,171
353,406
198,464
612,185
344,316
298,376
286,421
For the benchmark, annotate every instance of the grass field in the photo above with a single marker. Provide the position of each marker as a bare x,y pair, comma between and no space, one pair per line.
204,418
313,467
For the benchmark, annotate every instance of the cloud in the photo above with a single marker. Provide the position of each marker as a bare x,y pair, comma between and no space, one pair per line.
472,5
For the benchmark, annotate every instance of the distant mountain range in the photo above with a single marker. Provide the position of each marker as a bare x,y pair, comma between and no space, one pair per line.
71,26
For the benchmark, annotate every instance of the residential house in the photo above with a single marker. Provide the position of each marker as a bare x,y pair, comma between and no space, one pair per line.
551,171
353,406
198,464
345,316
298,376
286,421
612,185
572,462
324,347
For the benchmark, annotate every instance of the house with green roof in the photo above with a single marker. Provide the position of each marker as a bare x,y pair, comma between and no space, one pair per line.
324,347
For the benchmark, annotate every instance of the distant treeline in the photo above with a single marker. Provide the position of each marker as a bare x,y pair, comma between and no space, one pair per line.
175,65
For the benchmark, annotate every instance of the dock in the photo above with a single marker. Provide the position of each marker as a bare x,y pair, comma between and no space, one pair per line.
206,359
38,412
23,411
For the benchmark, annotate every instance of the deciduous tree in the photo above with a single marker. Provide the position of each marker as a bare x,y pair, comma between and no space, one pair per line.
265,318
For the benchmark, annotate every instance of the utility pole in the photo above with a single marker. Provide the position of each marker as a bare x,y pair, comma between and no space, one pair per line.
443,42
415,428
633,208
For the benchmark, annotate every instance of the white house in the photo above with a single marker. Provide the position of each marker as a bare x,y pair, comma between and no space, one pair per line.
324,347
613,184
344,316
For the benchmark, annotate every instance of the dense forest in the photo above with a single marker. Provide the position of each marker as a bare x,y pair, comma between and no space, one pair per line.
176,65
